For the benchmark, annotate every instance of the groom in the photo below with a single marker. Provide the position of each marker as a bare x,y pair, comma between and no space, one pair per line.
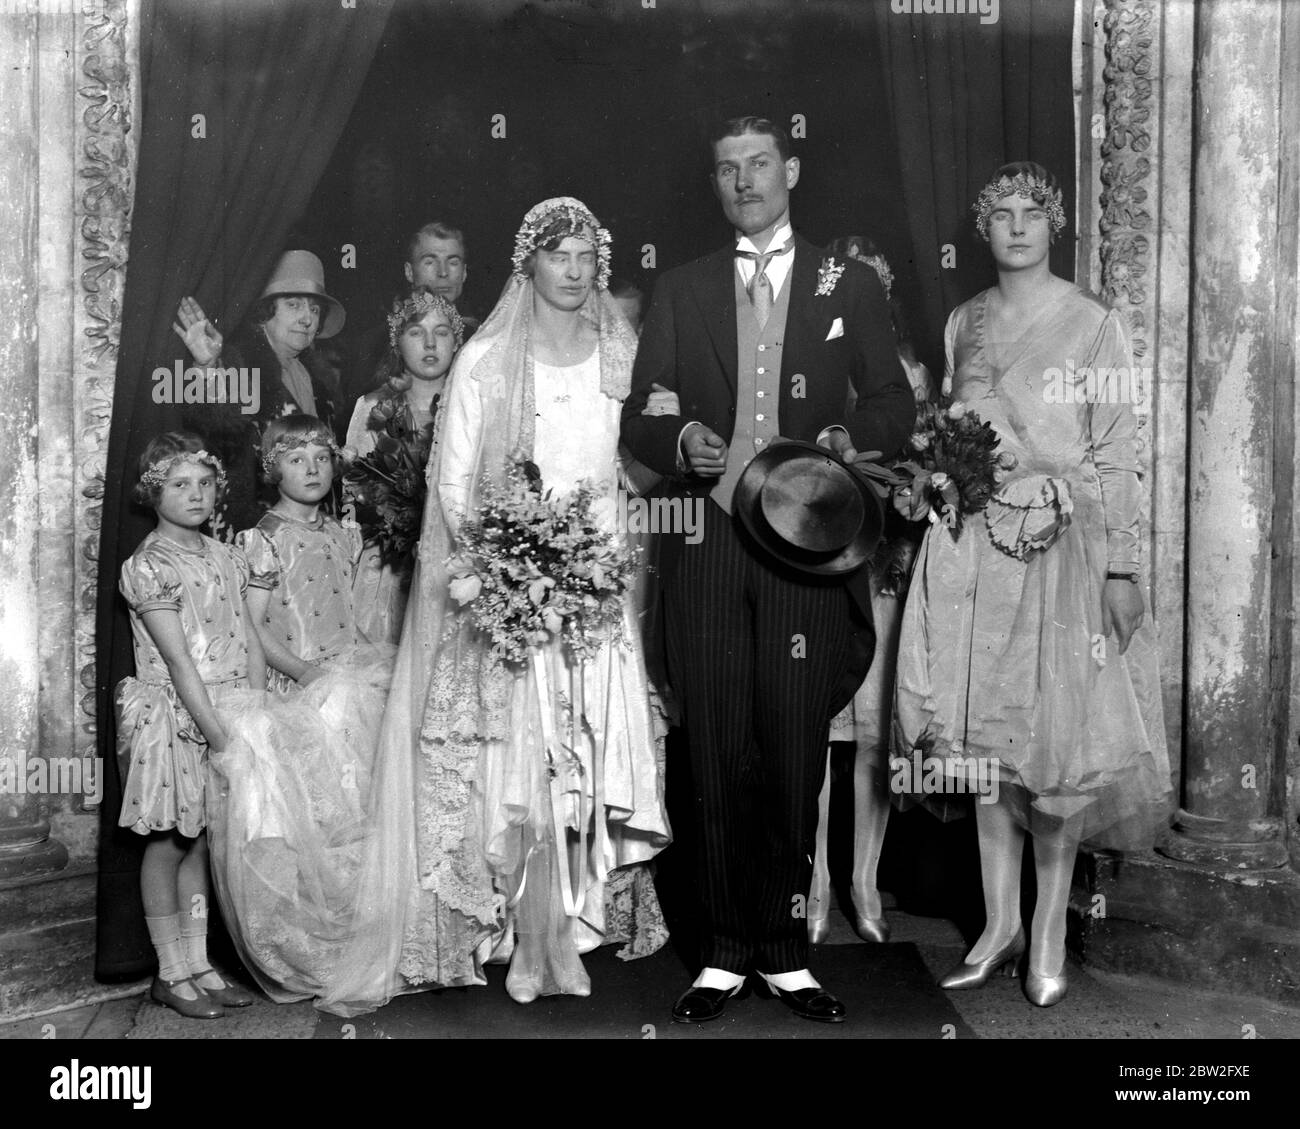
760,341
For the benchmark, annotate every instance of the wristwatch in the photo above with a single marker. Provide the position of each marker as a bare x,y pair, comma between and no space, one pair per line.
1131,577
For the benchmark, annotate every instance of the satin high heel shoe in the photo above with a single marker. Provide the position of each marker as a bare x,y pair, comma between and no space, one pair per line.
874,929
976,975
819,928
1044,991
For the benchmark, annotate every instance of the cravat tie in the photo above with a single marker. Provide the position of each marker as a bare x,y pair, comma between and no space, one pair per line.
760,286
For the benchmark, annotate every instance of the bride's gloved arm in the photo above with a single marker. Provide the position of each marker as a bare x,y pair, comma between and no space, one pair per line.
462,439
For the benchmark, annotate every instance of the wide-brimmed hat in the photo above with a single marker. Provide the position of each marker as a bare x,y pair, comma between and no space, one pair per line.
301,272
809,509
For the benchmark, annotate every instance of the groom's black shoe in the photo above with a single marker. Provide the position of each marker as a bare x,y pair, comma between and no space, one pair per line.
698,1005
808,1003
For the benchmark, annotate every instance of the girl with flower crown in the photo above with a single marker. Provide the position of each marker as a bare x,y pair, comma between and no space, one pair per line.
1026,664
196,658
288,795
510,860
424,334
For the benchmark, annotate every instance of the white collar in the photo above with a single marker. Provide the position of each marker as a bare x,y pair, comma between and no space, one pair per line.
782,234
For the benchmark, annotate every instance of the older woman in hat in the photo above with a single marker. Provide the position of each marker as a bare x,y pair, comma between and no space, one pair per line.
277,339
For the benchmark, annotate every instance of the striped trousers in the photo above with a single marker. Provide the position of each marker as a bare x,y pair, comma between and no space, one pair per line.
755,652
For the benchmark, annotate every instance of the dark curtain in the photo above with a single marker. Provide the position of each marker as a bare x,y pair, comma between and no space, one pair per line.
275,84
966,97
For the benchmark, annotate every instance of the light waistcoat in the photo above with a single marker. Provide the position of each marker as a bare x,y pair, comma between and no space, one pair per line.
758,386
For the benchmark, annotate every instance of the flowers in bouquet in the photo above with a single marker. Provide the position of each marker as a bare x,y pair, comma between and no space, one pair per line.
387,486
955,469
534,567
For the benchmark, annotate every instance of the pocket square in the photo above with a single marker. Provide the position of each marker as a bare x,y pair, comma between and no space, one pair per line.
837,329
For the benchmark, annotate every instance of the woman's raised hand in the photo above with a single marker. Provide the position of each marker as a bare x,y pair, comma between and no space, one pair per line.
200,336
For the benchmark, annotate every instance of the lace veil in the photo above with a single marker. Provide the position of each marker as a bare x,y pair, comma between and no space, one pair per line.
445,678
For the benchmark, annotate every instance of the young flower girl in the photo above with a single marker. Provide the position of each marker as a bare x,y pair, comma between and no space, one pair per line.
195,660
288,795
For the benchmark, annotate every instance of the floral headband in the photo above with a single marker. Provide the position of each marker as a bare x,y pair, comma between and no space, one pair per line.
414,307
539,227
158,473
1022,184
881,267
287,443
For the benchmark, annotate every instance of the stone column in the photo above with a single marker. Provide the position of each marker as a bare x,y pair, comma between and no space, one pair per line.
1232,783
25,845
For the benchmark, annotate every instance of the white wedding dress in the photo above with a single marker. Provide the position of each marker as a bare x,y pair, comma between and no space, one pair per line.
490,813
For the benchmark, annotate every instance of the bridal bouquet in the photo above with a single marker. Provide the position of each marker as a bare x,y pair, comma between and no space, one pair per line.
387,486
955,469
534,567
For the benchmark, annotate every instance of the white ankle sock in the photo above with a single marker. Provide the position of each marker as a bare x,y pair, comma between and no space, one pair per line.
194,936
718,978
165,933
791,981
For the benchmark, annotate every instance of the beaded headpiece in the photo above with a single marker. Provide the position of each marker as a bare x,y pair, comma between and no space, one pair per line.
415,306
557,218
1022,184
287,443
881,267
157,474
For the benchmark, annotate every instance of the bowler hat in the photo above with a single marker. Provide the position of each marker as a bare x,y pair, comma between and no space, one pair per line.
809,509
301,272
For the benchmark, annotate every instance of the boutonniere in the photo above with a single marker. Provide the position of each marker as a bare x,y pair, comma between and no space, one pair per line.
828,275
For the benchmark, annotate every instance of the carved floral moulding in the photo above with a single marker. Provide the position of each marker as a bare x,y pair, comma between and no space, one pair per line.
106,159
1125,222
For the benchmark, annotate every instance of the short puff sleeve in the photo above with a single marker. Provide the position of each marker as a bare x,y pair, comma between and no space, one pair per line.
149,582
262,567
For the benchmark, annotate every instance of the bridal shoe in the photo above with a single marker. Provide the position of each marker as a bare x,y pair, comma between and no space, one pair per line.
522,991
1005,960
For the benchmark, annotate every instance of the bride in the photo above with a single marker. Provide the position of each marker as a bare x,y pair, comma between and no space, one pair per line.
510,860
